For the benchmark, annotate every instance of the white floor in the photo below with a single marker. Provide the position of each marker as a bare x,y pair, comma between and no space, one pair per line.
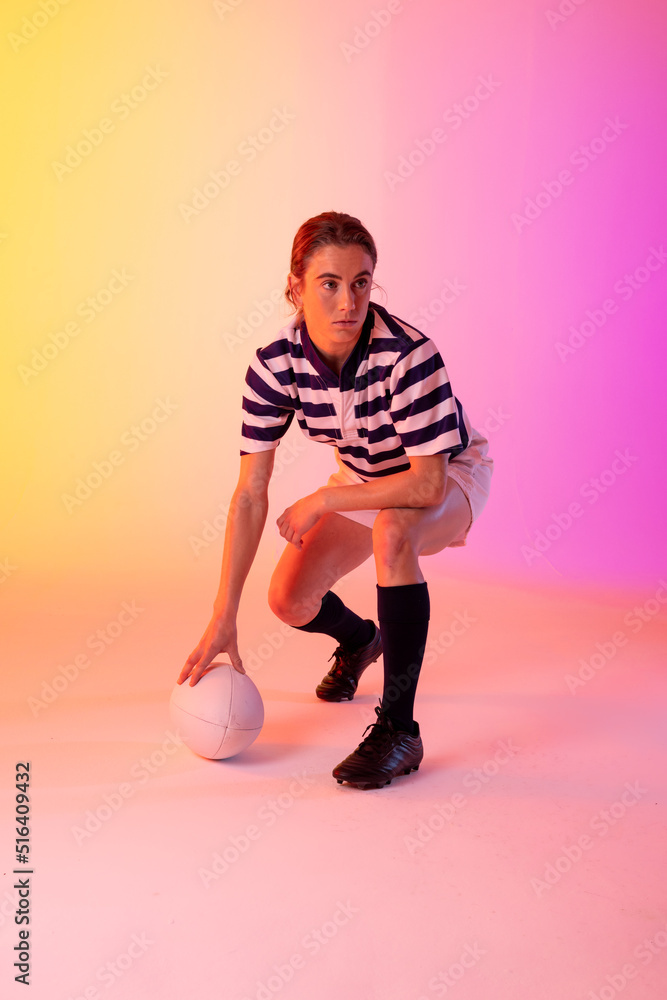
525,859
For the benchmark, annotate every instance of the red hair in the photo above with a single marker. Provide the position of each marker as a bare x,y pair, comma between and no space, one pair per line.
329,228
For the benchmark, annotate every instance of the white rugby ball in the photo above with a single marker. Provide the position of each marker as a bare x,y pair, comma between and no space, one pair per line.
220,715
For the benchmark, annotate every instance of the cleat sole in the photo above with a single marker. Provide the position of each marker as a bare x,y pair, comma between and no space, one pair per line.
366,785
326,697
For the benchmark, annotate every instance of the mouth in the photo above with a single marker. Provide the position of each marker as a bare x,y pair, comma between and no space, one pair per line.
345,322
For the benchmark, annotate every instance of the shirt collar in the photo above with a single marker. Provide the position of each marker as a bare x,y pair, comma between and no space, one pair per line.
349,369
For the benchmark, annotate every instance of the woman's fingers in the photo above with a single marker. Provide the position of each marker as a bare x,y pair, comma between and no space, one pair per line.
189,663
233,653
196,663
215,640
200,668
288,533
196,673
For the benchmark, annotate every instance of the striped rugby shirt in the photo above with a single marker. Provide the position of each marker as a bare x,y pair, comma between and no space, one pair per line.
392,399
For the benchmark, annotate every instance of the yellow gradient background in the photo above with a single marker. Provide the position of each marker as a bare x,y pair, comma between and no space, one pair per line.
179,89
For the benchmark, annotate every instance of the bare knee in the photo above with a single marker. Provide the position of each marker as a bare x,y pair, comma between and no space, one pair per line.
392,535
280,602
292,606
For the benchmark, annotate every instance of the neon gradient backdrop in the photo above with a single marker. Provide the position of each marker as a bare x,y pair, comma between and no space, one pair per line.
507,159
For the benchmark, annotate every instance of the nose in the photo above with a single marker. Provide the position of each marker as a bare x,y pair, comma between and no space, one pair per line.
346,301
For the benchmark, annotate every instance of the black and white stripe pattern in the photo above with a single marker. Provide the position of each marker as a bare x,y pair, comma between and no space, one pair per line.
393,398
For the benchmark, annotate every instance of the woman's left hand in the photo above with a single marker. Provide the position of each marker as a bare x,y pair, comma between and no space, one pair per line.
296,520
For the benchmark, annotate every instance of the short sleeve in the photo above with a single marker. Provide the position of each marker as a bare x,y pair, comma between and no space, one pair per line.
268,409
426,414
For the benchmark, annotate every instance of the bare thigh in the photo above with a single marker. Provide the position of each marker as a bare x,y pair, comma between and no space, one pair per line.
402,534
444,523
331,549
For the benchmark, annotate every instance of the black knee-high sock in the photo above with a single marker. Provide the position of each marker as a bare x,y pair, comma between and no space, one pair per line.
403,614
336,620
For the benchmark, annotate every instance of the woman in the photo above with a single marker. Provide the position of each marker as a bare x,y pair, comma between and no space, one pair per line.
413,475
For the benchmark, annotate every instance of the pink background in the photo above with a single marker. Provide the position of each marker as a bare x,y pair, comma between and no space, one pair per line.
361,89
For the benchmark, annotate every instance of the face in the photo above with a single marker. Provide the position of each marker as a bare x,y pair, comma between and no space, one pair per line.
334,294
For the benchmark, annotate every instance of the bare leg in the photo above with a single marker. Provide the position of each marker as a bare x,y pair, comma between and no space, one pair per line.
332,549
402,534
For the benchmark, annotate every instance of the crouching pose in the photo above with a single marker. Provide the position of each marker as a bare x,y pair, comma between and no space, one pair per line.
413,475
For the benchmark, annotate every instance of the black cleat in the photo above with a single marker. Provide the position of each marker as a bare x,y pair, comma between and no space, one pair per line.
384,754
341,682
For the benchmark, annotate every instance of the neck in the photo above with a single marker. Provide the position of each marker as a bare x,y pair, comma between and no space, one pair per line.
332,351
334,360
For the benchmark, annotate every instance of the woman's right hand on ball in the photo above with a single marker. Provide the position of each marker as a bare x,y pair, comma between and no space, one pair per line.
219,637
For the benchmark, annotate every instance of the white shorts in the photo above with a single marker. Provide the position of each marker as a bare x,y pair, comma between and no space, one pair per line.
471,470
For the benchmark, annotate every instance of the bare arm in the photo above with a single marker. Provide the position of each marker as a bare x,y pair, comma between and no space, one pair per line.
422,485
245,524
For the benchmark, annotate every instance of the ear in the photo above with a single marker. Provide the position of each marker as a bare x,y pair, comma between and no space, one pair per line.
295,288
